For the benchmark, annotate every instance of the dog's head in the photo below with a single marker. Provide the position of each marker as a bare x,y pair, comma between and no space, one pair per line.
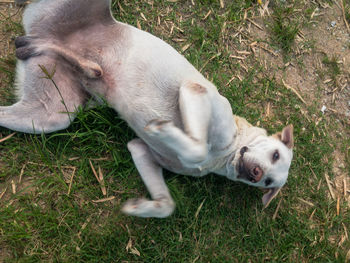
264,162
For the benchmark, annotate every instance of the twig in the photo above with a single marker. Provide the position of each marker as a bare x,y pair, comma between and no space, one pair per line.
345,188
228,83
7,137
206,16
3,193
306,202
329,186
104,199
268,50
102,181
71,181
292,89
278,207
215,56
56,166
345,230
13,187
237,57
255,24
199,209
268,109
312,214
21,174
338,205
99,178
185,47
94,171
344,17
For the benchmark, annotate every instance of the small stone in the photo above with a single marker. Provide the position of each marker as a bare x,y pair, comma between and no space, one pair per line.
333,23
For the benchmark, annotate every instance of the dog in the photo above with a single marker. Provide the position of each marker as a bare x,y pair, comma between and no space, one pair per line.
74,49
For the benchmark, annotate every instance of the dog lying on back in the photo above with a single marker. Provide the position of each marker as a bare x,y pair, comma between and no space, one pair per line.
182,123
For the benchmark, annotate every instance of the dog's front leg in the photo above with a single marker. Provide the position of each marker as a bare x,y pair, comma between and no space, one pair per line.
191,144
162,204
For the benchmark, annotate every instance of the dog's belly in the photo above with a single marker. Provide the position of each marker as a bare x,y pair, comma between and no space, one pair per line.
173,164
143,85
143,82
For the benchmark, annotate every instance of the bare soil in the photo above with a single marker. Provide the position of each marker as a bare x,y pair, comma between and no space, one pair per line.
326,37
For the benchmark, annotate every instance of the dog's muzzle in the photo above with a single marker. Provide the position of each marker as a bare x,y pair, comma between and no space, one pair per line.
250,172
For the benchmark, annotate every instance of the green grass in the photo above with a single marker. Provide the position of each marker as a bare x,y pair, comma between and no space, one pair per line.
284,27
42,223
333,69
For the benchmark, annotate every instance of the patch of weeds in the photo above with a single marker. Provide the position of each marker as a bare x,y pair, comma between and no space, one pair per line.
7,66
236,8
284,27
7,77
347,10
309,44
333,67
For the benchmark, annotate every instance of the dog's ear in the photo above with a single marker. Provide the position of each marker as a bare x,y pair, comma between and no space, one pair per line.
286,136
271,194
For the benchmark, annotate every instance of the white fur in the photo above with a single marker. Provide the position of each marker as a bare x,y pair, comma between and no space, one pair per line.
182,122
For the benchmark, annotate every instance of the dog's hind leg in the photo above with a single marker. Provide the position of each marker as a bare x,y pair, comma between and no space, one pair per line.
45,105
191,144
162,204
33,118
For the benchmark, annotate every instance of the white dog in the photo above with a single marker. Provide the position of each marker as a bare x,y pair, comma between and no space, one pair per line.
183,124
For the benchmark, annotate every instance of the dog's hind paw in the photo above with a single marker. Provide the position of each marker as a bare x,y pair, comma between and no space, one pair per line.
24,48
22,41
149,208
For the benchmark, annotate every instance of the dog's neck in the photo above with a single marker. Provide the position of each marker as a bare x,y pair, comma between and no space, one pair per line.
243,137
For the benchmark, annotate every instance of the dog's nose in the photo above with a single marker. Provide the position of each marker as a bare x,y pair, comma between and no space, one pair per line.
243,150
256,174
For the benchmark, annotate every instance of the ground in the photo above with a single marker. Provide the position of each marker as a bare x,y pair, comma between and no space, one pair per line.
277,62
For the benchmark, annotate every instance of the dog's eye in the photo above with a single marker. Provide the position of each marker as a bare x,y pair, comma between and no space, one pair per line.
275,156
268,181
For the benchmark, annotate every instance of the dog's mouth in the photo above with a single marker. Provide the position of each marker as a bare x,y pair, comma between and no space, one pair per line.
248,171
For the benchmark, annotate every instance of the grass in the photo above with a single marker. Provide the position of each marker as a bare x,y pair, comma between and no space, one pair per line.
284,27
215,220
332,66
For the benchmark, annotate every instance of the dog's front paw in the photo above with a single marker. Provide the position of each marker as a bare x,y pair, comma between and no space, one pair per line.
158,127
149,208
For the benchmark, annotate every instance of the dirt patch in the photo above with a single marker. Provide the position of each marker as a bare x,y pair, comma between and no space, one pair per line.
10,19
16,185
319,46
342,180
10,15
307,72
4,254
